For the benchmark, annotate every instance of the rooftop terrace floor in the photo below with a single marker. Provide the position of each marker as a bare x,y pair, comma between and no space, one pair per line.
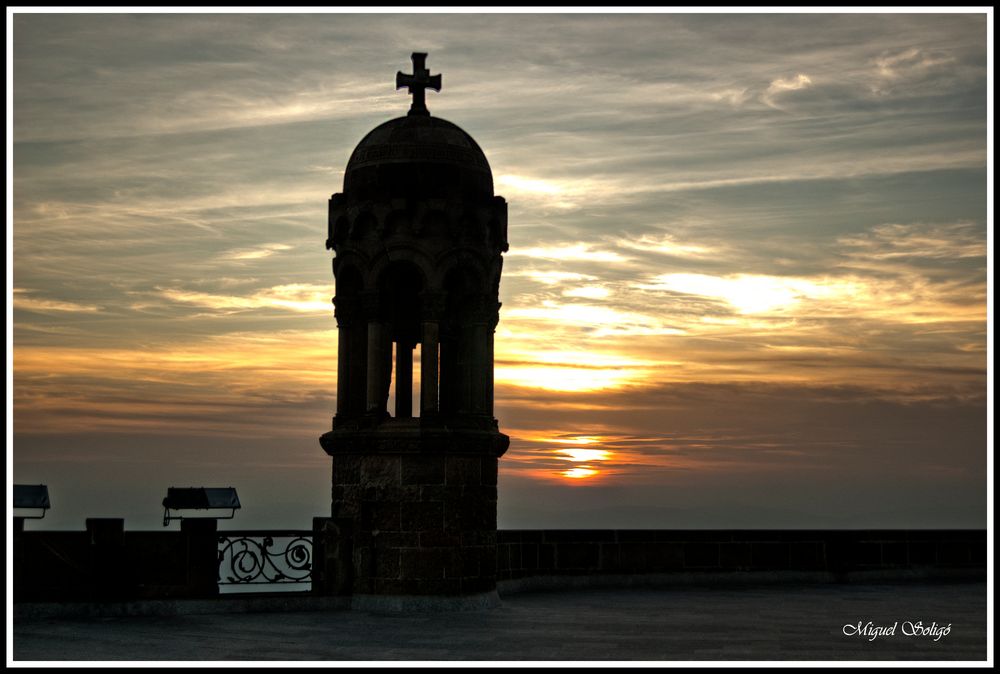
801,622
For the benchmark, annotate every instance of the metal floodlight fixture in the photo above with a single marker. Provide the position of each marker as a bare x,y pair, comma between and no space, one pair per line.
31,497
200,498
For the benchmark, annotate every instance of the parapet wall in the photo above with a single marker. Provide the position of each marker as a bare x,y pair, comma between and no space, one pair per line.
105,563
831,555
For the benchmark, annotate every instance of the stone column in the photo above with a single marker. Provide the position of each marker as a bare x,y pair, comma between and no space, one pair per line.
432,305
478,366
379,356
379,366
465,371
491,328
448,384
429,368
404,380
343,362
357,347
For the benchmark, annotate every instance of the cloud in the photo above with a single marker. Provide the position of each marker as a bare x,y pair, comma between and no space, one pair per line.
255,253
699,445
554,378
892,65
893,300
23,301
593,318
907,69
529,185
569,252
782,85
238,383
735,96
564,193
918,240
800,81
548,276
300,297
668,245
749,293
588,292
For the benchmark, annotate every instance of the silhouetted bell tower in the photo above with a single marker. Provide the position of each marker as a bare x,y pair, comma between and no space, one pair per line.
418,236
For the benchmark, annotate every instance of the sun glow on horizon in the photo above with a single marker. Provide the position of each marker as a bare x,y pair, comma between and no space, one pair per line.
580,472
577,440
558,378
581,454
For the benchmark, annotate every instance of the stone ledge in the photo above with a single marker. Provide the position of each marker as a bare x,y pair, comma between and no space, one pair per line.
732,579
403,439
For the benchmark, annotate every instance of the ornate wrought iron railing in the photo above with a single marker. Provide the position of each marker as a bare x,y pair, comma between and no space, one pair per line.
266,557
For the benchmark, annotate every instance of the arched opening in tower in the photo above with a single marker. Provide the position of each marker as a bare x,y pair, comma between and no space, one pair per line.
400,288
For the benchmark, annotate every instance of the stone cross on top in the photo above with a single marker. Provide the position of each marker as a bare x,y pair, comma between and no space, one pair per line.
420,80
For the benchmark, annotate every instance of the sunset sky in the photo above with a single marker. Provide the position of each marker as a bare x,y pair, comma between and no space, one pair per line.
746,285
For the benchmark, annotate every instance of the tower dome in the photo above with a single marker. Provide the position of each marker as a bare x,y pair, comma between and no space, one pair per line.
417,157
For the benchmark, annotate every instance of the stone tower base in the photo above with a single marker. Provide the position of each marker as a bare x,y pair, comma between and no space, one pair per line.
419,506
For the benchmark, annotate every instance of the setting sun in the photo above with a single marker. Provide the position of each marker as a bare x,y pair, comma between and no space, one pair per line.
578,454
579,472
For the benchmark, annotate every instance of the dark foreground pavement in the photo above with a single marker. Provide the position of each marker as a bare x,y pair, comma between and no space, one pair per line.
729,624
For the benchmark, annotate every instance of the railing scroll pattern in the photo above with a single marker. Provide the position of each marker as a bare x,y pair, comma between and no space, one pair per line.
265,557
